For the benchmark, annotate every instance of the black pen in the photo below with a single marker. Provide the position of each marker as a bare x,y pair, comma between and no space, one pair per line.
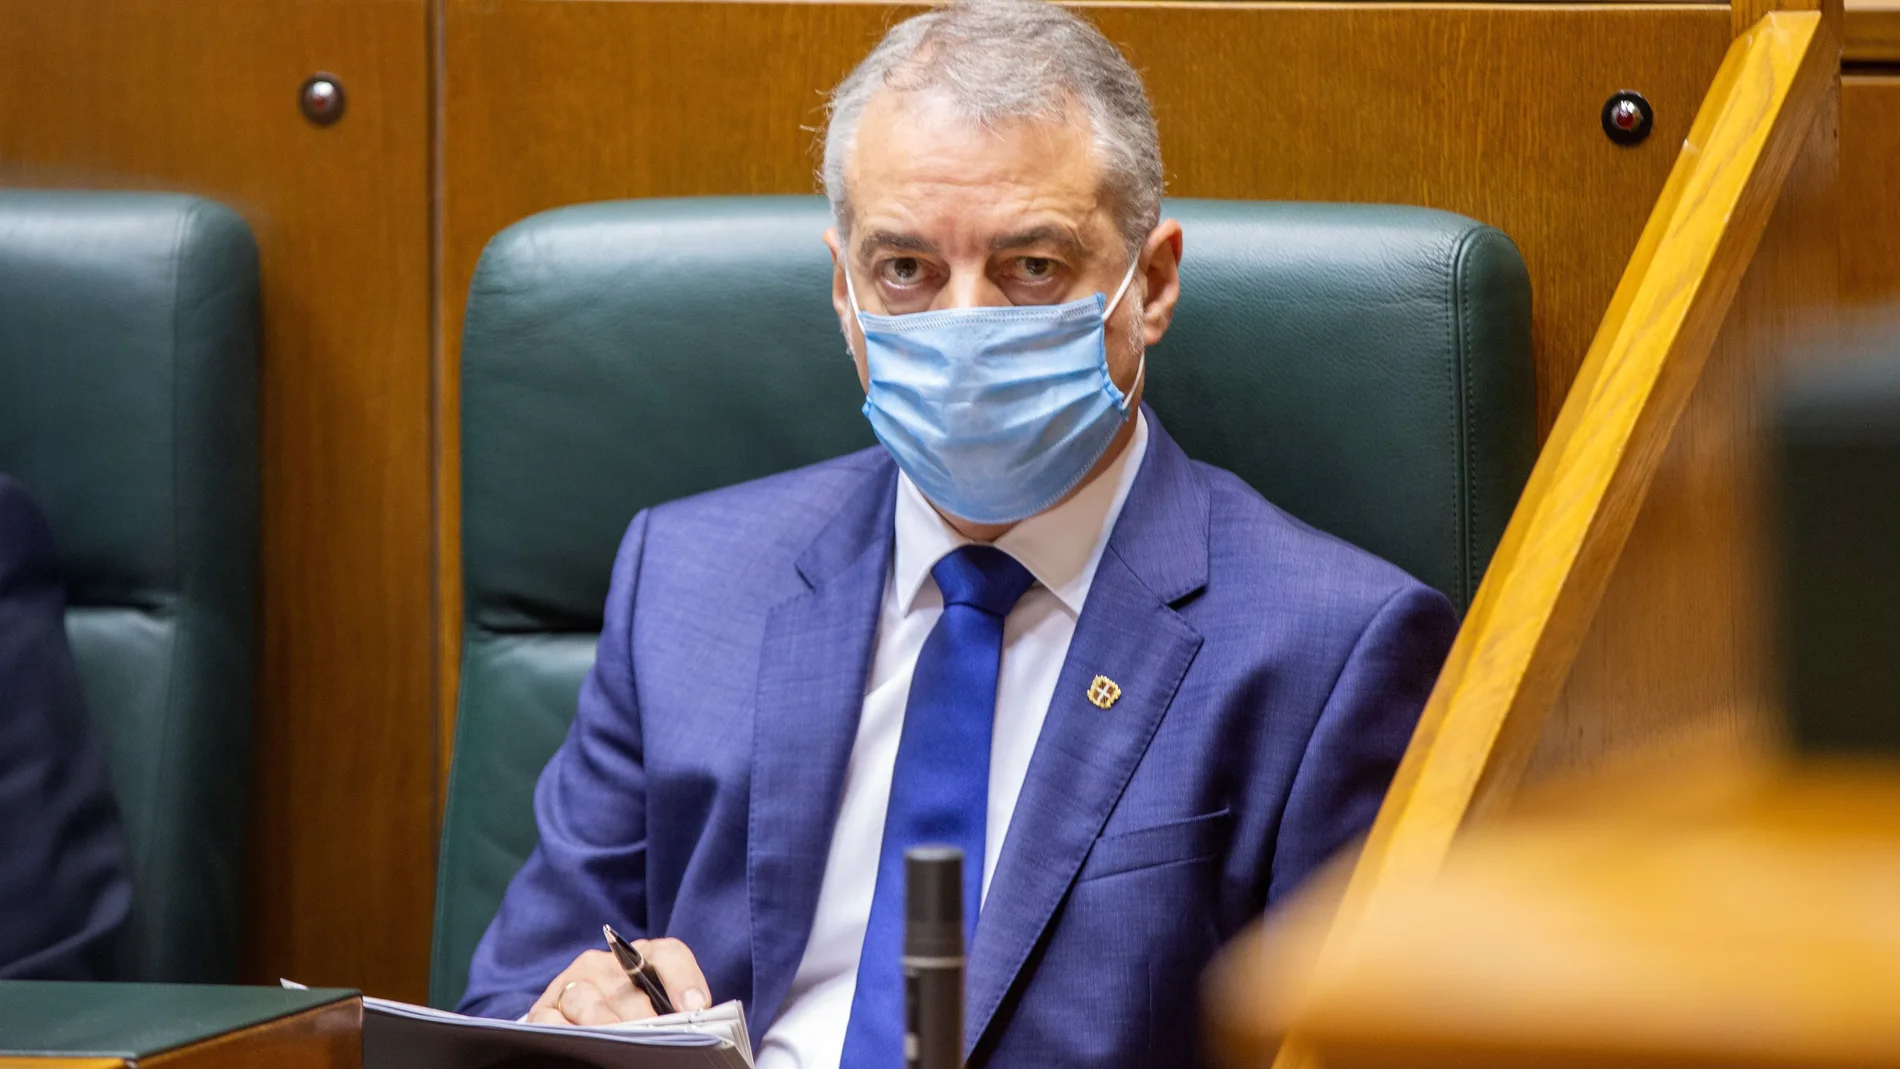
639,970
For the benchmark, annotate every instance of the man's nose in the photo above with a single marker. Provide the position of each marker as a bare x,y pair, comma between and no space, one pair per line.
969,288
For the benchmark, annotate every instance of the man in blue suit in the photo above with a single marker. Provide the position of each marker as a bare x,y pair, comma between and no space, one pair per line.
1145,702
64,887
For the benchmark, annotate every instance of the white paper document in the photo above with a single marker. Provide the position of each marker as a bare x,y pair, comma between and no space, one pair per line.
397,1035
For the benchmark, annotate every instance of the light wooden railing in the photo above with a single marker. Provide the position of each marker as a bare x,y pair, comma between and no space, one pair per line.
1544,584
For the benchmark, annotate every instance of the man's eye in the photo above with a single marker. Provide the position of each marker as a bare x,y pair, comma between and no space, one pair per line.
1037,268
903,270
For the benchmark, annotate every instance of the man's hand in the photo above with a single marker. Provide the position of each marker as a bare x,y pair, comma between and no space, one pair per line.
595,990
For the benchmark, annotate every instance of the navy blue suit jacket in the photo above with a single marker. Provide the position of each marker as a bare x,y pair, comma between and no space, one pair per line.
64,888
1270,678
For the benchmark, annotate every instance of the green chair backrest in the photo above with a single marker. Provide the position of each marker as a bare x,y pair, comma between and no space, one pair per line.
128,407
1367,368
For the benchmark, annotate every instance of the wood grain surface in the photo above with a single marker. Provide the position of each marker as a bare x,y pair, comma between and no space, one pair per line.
322,1037
1682,642
201,96
1490,111
1537,602
1873,32
1870,196
1743,14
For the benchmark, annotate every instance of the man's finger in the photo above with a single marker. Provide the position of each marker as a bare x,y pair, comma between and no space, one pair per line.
551,993
582,1003
679,972
603,971
546,1015
545,1004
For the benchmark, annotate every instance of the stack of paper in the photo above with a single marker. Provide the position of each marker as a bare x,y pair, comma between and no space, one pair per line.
397,1035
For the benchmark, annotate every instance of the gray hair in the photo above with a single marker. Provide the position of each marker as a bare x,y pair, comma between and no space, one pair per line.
995,61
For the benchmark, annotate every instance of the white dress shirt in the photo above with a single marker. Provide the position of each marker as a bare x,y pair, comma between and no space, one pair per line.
1061,548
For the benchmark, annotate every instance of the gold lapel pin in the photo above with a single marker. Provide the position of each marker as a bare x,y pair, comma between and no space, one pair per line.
1104,691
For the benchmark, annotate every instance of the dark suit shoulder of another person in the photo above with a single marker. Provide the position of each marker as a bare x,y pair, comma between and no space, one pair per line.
64,888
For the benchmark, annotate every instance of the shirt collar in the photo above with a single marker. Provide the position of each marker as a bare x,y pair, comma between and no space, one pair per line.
1061,547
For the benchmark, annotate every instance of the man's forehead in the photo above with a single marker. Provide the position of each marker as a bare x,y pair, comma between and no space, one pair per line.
897,122
1057,236
919,165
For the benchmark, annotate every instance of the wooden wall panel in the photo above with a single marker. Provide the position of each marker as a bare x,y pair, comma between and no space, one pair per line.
1491,111
1872,31
1681,646
201,96
1870,193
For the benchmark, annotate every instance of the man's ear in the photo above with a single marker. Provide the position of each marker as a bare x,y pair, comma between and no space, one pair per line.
1161,278
838,298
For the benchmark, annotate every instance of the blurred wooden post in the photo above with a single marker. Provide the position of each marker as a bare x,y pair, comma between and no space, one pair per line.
1683,914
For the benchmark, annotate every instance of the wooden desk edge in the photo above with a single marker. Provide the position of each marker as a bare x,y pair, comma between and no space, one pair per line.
329,1036
325,1036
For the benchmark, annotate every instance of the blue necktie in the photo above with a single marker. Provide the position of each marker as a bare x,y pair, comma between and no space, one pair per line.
940,786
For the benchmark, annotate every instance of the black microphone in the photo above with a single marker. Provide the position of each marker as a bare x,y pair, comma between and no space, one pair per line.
933,957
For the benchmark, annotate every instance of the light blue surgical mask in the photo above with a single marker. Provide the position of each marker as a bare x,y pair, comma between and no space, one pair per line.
995,413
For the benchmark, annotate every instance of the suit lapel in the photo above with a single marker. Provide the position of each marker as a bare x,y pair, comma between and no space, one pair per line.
815,656
1128,632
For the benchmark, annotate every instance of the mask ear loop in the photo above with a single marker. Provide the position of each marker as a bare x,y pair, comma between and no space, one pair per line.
850,293
1141,369
857,315
1112,302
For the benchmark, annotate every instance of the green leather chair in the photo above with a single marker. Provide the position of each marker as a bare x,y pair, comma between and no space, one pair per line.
1366,367
128,406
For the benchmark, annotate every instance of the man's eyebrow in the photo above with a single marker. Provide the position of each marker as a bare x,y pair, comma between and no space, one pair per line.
1058,236
886,239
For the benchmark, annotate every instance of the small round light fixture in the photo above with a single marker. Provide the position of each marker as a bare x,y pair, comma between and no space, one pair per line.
1627,117
321,99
